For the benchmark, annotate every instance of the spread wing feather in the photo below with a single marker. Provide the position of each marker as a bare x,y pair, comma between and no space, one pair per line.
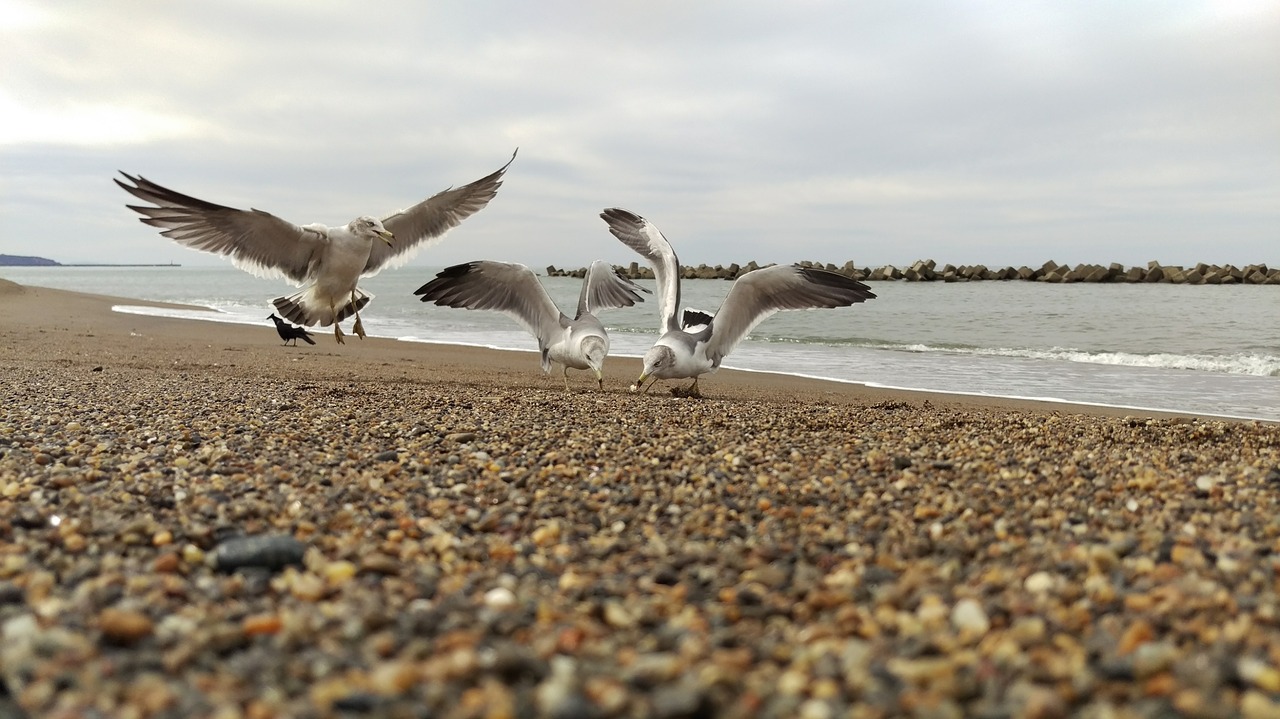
605,289
429,220
505,287
256,241
758,295
642,236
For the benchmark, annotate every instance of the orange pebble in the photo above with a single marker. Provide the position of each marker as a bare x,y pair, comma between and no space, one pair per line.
261,624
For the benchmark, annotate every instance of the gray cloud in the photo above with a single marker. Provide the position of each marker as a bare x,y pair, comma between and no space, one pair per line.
879,132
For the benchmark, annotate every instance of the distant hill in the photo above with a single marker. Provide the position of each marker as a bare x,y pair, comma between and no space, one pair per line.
20,260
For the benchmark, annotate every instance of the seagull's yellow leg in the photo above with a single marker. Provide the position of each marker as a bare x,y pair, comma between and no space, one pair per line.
566,378
358,327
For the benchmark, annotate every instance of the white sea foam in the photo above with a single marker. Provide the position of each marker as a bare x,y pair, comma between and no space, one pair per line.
1247,363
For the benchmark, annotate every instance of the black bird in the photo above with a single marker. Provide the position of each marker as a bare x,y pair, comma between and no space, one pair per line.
289,332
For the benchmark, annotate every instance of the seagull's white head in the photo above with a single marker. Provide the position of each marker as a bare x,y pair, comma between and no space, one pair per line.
657,361
595,351
370,228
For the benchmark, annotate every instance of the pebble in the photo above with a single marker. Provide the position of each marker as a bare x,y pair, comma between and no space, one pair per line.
272,552
968,617
500,598
1039,583
748,555
125,627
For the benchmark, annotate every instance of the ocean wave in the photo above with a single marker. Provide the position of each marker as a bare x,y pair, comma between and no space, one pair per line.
1258,365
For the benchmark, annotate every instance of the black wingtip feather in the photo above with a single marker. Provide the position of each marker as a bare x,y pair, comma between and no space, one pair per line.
435,290
849,288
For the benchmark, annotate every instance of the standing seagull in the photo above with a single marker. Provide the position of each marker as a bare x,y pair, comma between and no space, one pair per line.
289,332
326,262
512,289
698,344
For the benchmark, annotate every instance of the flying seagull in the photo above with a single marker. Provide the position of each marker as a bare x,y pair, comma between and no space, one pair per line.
694,343
289,332
326,262
513,289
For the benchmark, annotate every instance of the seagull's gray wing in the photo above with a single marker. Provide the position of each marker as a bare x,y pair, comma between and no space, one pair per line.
256,241
757,295
504,287
429,220
642,236
605,289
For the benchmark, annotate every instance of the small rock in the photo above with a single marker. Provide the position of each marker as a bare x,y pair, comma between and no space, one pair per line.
1039,583
677,700
500,598
461,436
1152,658
618,616
380,563
1257,705
124,627
1259,674
272,552
389,455
968,617
11,593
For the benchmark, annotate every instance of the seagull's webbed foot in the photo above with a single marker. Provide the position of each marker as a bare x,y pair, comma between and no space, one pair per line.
601,381
691,391
358,327
566,379
337,333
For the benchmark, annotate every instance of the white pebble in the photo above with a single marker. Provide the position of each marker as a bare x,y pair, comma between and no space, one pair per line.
968,616
1039,583
499,598
1206,482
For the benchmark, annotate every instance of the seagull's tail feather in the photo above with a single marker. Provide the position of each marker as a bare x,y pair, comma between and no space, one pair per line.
291,309
303,308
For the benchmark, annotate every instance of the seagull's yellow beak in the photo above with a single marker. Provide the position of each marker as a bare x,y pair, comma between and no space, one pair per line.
639,383
387,237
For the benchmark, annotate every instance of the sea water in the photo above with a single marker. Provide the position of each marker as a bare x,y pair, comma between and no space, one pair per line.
1198,349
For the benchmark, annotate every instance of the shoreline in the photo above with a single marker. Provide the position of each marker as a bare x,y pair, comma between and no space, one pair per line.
1059,404
196,521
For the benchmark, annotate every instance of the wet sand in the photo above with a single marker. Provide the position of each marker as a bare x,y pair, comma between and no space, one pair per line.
444,531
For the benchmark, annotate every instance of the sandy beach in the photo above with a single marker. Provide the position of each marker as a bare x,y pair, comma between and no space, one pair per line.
196,521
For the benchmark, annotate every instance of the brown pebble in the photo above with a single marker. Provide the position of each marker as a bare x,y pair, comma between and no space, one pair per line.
1138,633
380,564
123,626
167,563
261,624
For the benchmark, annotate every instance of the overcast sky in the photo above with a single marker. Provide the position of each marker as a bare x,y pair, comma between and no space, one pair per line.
882,132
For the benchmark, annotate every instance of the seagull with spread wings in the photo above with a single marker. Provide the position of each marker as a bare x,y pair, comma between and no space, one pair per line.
693,343
513,289
327,262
